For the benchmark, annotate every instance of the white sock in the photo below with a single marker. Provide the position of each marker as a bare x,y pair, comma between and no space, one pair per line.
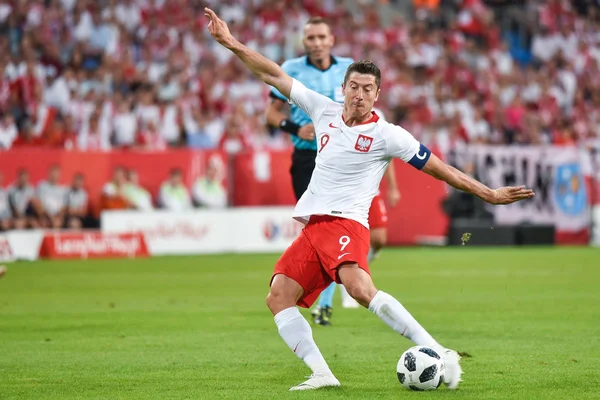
296,333
399,319
372,255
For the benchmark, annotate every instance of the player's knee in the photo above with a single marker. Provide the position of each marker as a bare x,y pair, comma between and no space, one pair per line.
272,298
277,300
362,292
284,293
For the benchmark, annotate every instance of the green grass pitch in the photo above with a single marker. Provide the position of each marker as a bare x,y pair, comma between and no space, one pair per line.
198,328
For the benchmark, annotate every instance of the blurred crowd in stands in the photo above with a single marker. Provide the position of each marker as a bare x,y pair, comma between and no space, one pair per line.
102,74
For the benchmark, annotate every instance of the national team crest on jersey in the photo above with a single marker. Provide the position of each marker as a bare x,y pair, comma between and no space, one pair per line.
363,143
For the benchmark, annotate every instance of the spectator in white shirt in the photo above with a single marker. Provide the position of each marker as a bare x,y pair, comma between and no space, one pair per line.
20,196
208,191
138,197
125,124
477,127
169,124
51,200
147,110
173,194
544,45
91,138
129,14
100,35
77,203
8,131
58,94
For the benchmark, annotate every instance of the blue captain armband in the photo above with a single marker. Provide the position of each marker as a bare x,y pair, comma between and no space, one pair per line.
420,159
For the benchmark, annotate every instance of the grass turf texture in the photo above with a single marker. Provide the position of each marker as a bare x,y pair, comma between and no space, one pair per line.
198,327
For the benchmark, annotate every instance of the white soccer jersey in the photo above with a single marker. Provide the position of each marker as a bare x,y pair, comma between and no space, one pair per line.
350,160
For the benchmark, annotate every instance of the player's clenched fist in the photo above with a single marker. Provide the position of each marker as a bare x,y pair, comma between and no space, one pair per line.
218,28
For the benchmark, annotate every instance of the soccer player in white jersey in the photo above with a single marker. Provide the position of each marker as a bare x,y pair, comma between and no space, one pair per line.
378,218
354,149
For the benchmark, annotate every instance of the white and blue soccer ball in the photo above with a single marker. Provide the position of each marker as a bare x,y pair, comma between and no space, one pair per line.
421,368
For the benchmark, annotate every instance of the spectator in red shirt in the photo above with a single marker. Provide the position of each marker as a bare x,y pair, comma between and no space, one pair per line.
564,135
233,140
27,139
26,86
150,139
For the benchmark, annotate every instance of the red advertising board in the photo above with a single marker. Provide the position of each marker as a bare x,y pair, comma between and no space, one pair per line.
92,244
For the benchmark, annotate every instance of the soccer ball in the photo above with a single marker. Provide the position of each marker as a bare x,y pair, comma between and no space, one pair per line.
420,368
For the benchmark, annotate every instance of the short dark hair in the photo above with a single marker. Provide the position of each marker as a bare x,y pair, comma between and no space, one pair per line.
365,67
317,21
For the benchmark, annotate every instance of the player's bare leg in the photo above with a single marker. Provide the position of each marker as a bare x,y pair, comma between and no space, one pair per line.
347,300
296,332
360,286
2,271
378,240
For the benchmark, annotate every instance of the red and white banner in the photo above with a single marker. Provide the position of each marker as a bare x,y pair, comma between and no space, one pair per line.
92,244
593,148
558,176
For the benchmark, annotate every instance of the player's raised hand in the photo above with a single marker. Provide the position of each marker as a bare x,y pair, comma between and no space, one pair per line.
511,194
218,28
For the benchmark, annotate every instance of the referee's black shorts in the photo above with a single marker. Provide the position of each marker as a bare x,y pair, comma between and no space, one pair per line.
303,164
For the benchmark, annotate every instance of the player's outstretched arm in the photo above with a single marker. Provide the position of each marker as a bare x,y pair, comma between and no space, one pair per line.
274,113
264,69
392,190
455,178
